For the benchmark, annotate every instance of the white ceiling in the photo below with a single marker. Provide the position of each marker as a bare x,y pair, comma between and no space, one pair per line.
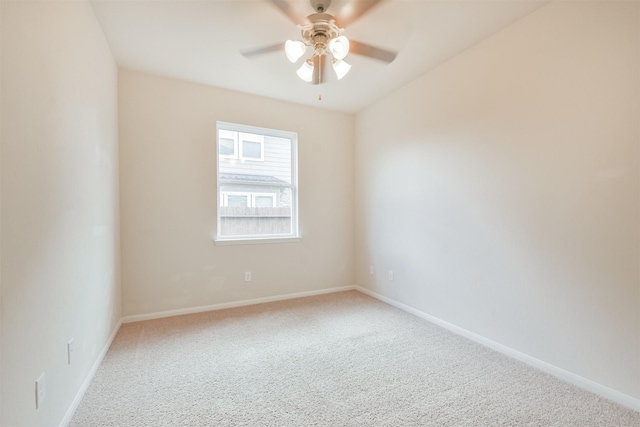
200,41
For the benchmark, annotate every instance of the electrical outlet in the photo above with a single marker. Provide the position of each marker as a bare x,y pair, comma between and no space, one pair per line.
371,270
391,275
41,390
247,276
70,350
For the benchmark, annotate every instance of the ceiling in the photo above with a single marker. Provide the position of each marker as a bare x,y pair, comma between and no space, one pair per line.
200,41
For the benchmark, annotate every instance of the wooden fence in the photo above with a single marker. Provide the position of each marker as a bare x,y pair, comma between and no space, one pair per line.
242,221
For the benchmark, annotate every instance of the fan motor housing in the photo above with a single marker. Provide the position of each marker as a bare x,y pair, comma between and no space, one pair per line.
320,5
319,30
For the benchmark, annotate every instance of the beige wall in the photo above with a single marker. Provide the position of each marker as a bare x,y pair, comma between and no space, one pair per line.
503,189
59,259
168,200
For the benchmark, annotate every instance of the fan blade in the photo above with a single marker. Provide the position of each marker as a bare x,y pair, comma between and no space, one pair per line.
288,11
353,10
250,53
364,49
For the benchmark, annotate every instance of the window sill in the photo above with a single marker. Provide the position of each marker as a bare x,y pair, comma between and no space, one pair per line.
256,241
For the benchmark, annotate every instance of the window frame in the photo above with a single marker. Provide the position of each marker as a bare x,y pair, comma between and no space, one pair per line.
294,236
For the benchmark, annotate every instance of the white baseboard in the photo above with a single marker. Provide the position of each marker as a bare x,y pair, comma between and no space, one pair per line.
570,377
233,304
584,383
87,381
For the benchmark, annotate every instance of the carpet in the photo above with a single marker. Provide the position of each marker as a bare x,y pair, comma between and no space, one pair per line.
342,359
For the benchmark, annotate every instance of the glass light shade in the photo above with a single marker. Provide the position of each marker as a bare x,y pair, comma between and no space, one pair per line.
306,72
339,47
294,50
341,68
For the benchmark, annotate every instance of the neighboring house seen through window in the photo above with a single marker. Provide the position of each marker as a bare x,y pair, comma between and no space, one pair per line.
248,200
240,145
257,183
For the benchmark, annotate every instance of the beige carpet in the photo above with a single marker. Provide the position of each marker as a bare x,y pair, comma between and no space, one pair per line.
334,360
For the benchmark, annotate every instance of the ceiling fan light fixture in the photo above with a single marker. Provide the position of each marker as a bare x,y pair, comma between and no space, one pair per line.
294,49
339,47
306,71
341,68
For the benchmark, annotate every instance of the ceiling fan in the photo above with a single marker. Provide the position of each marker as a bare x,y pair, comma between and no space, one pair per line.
321,32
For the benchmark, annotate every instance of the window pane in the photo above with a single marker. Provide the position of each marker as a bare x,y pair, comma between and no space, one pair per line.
271,214
251,149
257,196
237,201
227,147
264,202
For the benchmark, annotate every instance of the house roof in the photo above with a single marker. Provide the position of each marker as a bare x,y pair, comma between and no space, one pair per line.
248,178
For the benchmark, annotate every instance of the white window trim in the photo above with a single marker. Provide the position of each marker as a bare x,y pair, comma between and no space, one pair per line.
294,236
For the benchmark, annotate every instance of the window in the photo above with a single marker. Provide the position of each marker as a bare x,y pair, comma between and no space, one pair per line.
257,183
251,146
228,147
264,200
